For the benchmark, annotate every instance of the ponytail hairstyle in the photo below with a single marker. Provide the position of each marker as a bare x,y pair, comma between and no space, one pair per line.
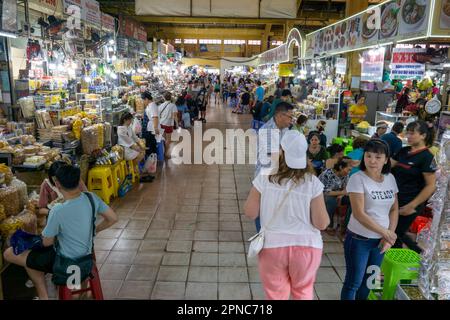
425,128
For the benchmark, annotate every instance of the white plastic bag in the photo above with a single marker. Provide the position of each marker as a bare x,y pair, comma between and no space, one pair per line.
137,127
150,163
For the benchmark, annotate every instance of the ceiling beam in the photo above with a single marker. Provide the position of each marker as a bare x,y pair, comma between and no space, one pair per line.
208,33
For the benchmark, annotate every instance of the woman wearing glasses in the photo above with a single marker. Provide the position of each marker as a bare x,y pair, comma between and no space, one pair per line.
371,230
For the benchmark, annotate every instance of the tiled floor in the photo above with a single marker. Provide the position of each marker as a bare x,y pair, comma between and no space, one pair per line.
183,236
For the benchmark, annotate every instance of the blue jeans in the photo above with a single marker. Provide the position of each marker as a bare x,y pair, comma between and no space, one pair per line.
331,205
360,253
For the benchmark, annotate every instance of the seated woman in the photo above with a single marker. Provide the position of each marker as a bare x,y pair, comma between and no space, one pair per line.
300,126
316,153
49,194
356,155
130,142
335,180
336,153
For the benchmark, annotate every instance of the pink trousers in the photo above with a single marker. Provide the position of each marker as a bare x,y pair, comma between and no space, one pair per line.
289,270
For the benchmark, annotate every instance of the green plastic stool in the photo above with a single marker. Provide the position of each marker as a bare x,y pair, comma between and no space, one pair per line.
398,264
338,140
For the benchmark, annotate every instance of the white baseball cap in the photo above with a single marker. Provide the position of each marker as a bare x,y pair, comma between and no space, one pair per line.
294,146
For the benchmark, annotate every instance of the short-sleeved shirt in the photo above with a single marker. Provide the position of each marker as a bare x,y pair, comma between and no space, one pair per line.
378,200
71,223
48,194
269,139
332,182
322,155
259,93
166,111
292,226
152,112
394,142
358,110
409,172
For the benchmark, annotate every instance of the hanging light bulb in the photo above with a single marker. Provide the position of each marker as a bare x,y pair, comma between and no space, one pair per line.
107,71
313,72
87,79
93,66
114,58
110,49
319,64
317,80
111,42
113,76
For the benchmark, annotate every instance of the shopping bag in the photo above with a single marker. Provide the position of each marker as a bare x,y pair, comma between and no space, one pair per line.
186,118
256,244
150,163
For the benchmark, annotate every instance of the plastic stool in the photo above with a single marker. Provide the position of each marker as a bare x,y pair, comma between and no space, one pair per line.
105,188
123,170
116,173
160,150
398,264
133,171
347,150
94,287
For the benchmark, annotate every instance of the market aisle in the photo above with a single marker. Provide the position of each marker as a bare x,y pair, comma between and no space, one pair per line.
183,236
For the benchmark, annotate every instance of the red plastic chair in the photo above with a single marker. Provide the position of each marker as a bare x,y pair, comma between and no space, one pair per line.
94,286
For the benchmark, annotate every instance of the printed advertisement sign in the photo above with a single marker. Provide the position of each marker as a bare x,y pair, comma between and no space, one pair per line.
341,66
404,66
441,18
394,20
286,70
108,22
92,14
275,55
373,65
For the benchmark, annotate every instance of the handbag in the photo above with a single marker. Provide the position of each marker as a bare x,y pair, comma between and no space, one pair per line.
257,241
62,267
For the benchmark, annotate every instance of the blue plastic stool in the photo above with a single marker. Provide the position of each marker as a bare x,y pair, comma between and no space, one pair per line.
160,150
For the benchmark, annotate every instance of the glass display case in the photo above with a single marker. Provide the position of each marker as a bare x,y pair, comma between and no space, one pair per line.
392,118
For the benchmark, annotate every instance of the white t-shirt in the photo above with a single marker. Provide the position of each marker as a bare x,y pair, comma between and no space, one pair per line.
151,112
292,225
378,200
166,110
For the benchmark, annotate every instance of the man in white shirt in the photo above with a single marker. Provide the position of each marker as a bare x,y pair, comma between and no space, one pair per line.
168,116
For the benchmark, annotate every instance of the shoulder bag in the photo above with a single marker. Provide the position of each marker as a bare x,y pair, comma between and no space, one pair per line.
62,265
257,241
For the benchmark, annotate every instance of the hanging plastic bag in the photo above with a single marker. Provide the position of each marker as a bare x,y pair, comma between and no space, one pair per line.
137,127
150,163
186,118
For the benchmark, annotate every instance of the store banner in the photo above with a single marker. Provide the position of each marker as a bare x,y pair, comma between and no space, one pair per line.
441,18
286,70
8,16
390,22
232,48
341,66
214,47
404,66
373,65
276,55
108,22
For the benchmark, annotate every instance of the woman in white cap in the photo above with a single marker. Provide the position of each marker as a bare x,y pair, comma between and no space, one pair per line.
292,211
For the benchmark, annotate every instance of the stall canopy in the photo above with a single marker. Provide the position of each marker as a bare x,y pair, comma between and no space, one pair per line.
286,9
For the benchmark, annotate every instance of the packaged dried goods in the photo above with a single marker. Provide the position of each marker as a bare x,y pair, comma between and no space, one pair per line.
29,221
8,174
90,139
31,150
23,191
9,198
2,212
9,226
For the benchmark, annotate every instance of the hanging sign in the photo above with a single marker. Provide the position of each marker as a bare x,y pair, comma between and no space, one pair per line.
286,70
141,33
390,22
373,65
92,14
46,6
404,66
8,15
441,18
341,66
108,22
